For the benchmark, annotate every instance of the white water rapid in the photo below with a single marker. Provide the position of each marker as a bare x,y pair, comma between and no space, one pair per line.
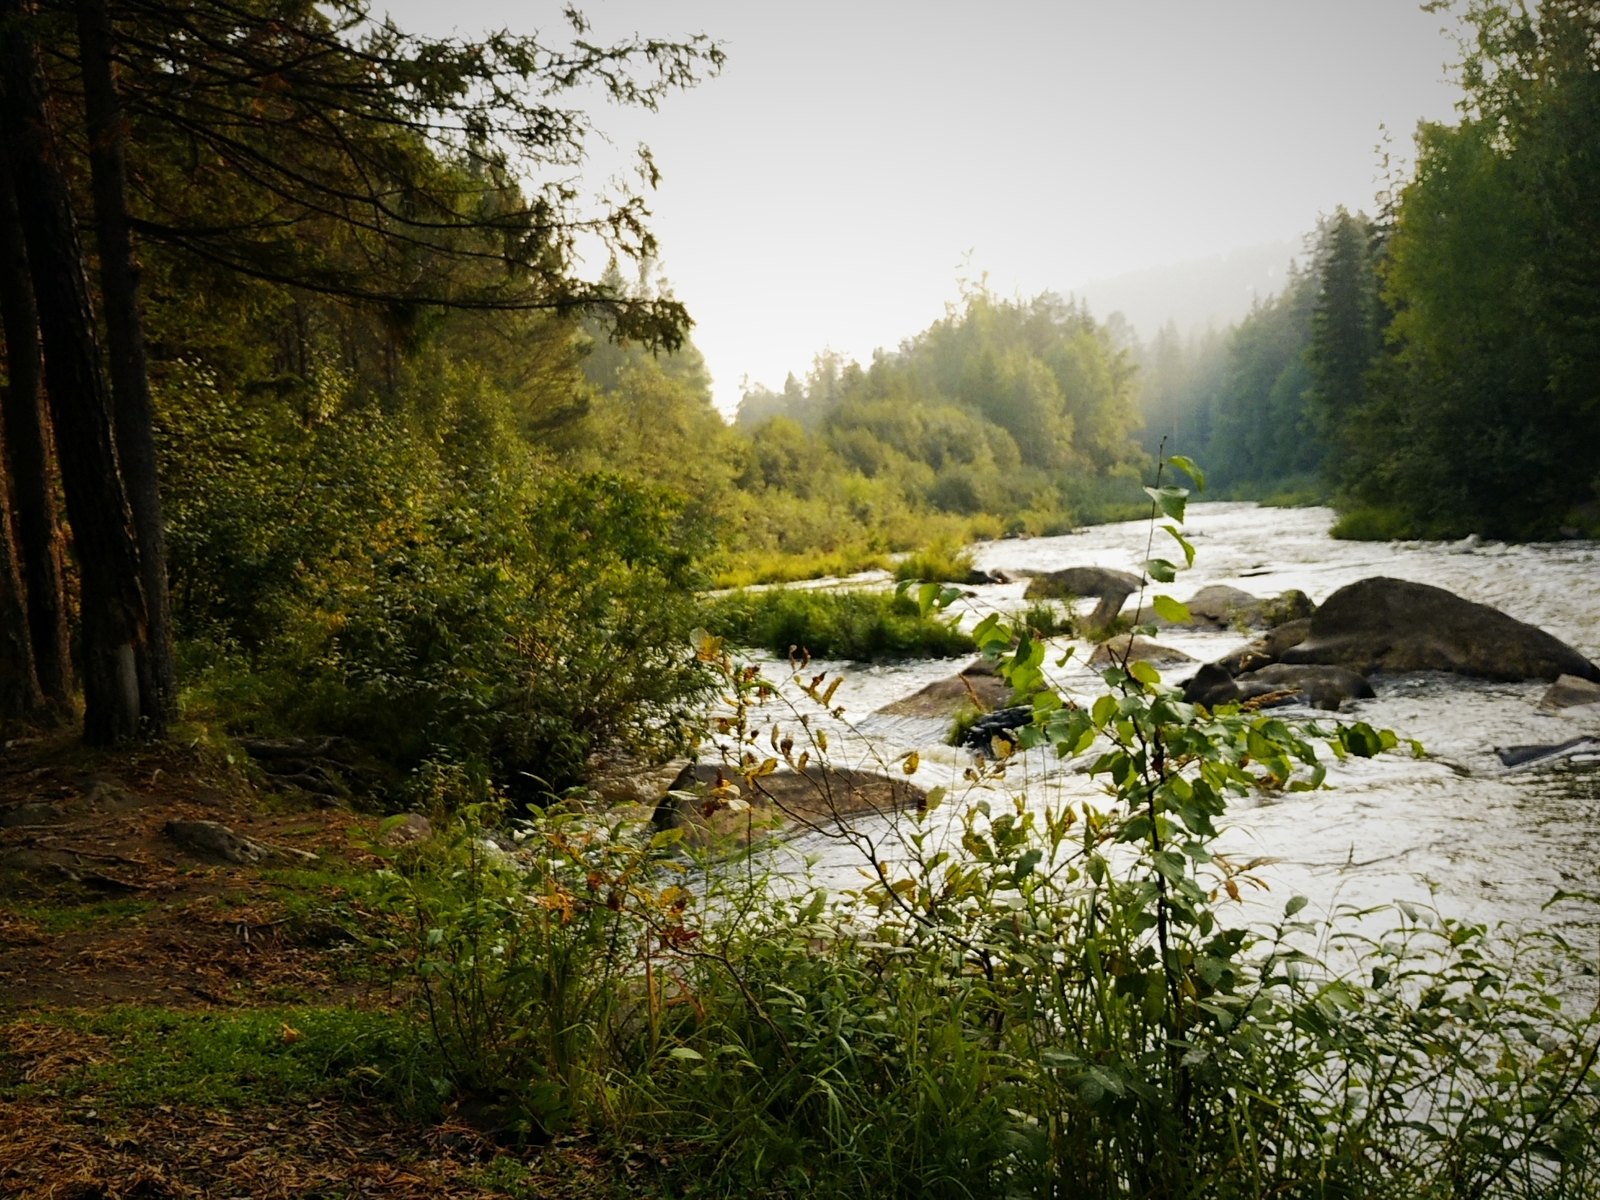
1492,844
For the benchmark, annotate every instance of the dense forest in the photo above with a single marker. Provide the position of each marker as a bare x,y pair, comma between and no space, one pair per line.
1432,368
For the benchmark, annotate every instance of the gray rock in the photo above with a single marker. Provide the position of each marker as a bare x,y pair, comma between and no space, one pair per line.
1383,624
946,697
411,828
1267,649
1113,650
211,841
1569,691
816,796
1212,685
1111,588
1516,757
980,736
1322,687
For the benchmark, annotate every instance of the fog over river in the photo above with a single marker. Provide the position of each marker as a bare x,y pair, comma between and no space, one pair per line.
1496,844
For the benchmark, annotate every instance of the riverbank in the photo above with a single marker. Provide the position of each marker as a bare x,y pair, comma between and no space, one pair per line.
176,1027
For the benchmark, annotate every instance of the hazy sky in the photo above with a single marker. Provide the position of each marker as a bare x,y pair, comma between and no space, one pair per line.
826,188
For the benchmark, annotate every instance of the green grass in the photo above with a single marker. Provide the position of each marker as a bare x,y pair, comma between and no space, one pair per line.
865,626
1047,618
237,1059
1373,525
57,918
938,563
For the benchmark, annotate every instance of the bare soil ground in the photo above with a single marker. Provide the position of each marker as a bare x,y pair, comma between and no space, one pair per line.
100,909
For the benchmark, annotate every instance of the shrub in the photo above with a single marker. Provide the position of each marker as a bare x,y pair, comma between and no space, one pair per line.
866,626
1373,525
357,577
941,562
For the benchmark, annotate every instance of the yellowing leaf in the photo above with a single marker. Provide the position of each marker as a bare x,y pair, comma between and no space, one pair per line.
1172,610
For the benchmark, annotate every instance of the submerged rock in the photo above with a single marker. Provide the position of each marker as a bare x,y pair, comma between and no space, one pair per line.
1532,756
1383,624
1111,588
1569,691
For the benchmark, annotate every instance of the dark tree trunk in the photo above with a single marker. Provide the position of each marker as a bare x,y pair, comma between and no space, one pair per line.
116,669
133,412
20,696
29,453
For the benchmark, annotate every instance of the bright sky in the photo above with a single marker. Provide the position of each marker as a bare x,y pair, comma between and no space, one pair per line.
826,188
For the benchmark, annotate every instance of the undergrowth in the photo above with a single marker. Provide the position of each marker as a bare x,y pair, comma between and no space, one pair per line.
861,625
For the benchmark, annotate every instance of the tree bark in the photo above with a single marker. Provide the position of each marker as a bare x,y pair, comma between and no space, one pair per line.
39,540
132,409
115,665
20,697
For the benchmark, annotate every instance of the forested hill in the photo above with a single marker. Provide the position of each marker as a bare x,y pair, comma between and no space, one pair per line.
1436,369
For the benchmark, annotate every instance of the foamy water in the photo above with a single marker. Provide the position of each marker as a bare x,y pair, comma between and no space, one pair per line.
1485,843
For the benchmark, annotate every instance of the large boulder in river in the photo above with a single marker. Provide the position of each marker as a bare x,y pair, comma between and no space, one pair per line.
978,685
1111,588
817,797
1383,624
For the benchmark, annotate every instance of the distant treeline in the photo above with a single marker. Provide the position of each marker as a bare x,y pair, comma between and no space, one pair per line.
1435,369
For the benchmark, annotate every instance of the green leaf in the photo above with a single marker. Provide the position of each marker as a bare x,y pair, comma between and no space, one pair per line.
1161,570
1144,673
1296,903
1171,610
1187,466
1188,547
684,1052
1170,500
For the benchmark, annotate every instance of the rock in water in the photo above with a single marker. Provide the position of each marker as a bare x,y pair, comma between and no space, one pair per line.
1111,588
985,729
1212,685
1532,756
946,697
1267,649
1383,624
1322,687
1112,651
1569,692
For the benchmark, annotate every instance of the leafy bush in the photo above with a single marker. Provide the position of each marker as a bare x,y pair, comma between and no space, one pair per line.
1373,525
428,597
865,626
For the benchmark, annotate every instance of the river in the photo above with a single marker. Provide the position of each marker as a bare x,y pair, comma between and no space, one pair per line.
1484,843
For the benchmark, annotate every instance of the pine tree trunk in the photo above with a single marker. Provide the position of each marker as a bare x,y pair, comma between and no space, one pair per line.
115,666
29,456
133,412
20,696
